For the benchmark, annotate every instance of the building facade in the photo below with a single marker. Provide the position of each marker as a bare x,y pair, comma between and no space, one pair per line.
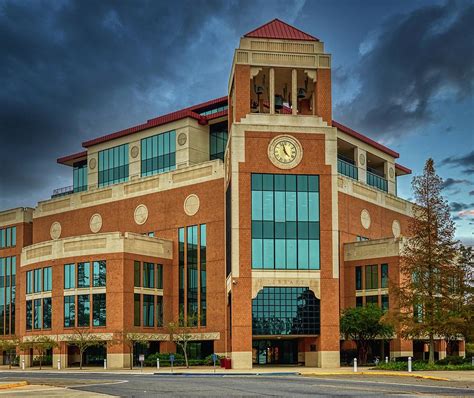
255,218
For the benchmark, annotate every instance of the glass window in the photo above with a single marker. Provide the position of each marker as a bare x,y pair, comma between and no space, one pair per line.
83,275
83,310
285,311
285,221
69,311
148,310
69,276
218,140
29,282
99,274
192,275
372,300
113,165
13,236
159,280
158,153
136,274
2,238
47,313
47,279
181,271
149,275
202,275
37,280
159,311
384,275
358,278
136,307
80,176
37,314
99,309
371,277
385,302
359,301
29,314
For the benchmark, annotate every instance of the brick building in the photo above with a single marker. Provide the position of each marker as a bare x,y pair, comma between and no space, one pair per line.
255,215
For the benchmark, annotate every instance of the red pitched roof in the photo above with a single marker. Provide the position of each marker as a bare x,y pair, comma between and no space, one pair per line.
277,29
403,169
69,159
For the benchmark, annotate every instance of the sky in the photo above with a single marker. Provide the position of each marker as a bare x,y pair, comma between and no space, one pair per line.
402,72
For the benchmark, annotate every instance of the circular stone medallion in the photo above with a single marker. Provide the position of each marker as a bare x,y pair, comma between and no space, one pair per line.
285,152
191,205
95,223
362,159
141,214
55,230
396,229
182,138
134,151
92,163
365,218
391,173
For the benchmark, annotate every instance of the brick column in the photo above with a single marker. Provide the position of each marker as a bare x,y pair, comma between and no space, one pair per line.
323,101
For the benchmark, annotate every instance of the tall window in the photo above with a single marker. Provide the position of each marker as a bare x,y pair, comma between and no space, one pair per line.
47,279
218,140
385,302
83,275
192,275
182,264
47,312
159,276
159,311
358,278
7,237
69,276
37,314
285,221
29,282
136,274
202,274
7,295
285,311
99,309
69,311
384,275
148,310
113,165
29,314
37,280
83,310
136,306
80,176
158,153
99,274
371,277
149,275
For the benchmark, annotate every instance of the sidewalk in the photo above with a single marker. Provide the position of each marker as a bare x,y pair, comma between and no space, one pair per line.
467,376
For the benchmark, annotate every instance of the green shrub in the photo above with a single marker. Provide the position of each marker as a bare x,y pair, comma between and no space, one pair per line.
179,360
451,360
424,365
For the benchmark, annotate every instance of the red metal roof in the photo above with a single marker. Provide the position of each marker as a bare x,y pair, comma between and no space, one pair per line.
277,29
365,139
69,158
403,169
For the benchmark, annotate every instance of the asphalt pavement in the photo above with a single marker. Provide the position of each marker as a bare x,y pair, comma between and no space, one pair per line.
165,385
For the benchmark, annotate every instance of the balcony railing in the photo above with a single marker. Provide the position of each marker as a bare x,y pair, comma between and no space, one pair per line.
62,191
347,169
376,181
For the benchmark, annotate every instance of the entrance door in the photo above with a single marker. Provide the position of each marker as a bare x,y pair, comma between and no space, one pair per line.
275,352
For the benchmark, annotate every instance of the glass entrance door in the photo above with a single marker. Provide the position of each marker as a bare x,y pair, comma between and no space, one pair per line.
275,352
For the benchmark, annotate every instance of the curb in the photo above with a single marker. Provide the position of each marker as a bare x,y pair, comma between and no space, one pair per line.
7,386
221,374
414,375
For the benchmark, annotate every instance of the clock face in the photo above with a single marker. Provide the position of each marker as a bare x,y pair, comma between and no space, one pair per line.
285,151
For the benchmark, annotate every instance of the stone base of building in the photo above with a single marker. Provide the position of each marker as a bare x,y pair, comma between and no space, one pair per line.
397,354
118,360
328,359
62,358
241,359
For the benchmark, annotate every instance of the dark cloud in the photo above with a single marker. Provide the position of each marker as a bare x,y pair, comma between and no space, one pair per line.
74,70
413,60
459,206
463,161
450,183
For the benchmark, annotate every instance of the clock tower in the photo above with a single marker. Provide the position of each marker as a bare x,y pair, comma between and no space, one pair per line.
281,202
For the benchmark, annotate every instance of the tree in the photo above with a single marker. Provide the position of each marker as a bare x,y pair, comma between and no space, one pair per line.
9,345
40,344
83,339
180,334
363,325
130,338
427,263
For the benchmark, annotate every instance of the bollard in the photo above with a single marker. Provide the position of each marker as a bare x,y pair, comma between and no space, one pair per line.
59,364
22,364
355,364
386,359
158,363
409,364
105,363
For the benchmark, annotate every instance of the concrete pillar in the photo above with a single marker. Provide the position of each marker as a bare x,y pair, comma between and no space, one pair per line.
360,158
401,348
441,346
27,358
60,353
134,163
294,91
462,348
389,171
92,173
272,91
323,100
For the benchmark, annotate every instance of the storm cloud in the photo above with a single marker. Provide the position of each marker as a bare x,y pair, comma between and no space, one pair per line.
411,61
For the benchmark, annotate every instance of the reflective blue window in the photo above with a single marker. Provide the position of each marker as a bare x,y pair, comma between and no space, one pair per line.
69,311
83,310
285,311
69,276
47,279
218,140
158,153
285,221
113,165
37,314
80,176
99,273
83,275
7,237
148,310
